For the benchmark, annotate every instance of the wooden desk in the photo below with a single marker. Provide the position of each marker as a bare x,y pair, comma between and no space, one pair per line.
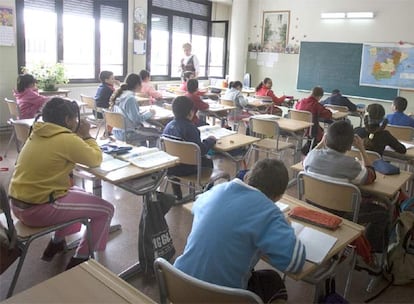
162,115
139,182
386,185
338,115
59,92
345,234
234,141
89,282
142,100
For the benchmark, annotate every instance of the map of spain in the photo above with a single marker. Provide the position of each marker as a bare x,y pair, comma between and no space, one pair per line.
387,66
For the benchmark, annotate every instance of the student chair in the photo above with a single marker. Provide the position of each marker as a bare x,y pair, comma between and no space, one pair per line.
176,286
97,113
231,115
323,193
401,132
337,108
356,154
269,132
25,235
21,131
189,153
306,116
115,120
14,114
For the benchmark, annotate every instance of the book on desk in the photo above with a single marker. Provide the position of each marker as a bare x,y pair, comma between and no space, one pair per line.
317,244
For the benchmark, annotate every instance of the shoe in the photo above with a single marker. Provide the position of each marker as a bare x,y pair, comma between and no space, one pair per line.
75,262
374,268
52,249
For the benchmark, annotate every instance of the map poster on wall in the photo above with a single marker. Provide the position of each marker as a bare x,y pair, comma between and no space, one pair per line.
6,26
388,66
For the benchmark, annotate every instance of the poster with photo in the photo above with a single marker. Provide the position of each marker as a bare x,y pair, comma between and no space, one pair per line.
7,26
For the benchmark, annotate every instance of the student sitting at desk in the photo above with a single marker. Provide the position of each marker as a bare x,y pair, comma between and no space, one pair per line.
399,118
235,224
198,104
234,94
39,190
329,159
375,137
338,100
123,101
184,129
187,75
147,88
264,88
318,111
105,90
27,96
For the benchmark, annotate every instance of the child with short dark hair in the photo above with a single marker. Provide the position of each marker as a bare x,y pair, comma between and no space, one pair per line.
184,129
375,137
105,89
27,97
329,159
198,104
399,118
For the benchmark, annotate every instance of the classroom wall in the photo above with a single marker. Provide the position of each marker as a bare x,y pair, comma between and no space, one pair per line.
392,23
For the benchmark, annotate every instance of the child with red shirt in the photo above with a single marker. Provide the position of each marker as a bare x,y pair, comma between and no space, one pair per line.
192,86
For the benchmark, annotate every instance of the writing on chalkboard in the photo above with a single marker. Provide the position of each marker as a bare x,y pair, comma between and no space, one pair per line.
335,65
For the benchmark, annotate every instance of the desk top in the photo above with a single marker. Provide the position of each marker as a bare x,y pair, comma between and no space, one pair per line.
346,233
58,92
234,141
160,112
386,185
339,115
90,282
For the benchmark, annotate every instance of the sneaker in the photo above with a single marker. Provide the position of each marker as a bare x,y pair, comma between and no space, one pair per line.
52,249
75,262
374,268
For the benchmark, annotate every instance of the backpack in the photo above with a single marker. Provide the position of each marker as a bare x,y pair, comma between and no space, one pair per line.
401,253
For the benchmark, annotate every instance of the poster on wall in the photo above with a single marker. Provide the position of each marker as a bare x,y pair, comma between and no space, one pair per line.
275,31
6,26
140,38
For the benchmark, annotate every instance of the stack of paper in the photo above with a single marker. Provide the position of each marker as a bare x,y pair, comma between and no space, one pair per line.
216,131
317,244
144,157
109,163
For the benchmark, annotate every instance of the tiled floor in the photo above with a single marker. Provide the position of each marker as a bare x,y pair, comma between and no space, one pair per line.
122,248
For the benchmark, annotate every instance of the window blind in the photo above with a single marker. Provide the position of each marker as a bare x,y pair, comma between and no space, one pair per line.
186,6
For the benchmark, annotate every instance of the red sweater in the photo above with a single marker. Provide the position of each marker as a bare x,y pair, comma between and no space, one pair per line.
198,105
263,91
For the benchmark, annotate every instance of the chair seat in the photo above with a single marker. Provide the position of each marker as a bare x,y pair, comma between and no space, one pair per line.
269,144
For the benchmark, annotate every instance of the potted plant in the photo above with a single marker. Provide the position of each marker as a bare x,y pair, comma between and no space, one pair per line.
48,75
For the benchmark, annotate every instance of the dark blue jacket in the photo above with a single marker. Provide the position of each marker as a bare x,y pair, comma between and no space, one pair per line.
339,100
102,96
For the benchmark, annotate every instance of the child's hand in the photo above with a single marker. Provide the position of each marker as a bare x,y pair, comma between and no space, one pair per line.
358,143
84,128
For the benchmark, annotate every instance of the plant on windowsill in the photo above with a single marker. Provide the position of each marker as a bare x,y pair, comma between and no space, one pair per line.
48,75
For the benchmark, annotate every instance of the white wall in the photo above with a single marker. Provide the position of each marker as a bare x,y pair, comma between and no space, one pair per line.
392,23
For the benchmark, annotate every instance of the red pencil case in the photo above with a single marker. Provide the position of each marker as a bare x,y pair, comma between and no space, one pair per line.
317,218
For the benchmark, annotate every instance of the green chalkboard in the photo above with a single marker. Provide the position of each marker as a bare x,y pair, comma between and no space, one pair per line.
333,65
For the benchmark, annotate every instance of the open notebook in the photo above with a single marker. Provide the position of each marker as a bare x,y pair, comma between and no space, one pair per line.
317,243
109,163
267,116
407,145
145,158
216,131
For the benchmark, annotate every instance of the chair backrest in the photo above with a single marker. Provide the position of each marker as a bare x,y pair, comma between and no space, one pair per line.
227,102
176,286
401,132
323,192
300,115
21,130
115,120
13,108
264,128
337,108
371,154
89,101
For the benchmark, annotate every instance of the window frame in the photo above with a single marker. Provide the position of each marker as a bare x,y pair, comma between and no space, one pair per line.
21,43
170,14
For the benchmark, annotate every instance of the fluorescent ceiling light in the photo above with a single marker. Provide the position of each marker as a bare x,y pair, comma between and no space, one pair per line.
360,15
332,15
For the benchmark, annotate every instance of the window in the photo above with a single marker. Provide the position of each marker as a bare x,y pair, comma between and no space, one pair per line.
87,36
174,23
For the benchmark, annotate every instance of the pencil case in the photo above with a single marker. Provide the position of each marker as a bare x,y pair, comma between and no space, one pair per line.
114,149
317,218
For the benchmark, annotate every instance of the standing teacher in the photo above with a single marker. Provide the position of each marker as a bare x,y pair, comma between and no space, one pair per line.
189,63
